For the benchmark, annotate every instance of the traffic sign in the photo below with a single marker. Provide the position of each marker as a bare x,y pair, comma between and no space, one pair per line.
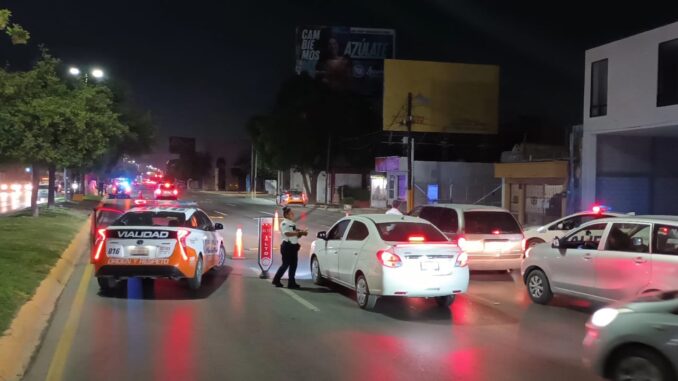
265,244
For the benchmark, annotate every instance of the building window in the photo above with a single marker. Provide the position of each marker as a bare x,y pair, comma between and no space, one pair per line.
667,81
599,88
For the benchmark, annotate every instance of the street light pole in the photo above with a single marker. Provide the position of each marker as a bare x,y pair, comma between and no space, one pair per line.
410,159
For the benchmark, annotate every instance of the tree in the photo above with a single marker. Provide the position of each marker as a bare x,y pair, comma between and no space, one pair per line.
307,115
47,123
16,32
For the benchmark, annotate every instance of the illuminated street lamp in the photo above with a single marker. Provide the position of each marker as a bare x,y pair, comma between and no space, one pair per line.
96,72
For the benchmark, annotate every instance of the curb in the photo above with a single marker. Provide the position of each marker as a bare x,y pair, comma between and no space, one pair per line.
24,335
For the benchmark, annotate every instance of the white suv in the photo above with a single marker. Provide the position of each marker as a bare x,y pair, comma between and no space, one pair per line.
606,260
388,255
490,236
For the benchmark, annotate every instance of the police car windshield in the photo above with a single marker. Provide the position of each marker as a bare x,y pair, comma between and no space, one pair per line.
170,219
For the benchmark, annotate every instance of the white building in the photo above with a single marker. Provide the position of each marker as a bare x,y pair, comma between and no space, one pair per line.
630,142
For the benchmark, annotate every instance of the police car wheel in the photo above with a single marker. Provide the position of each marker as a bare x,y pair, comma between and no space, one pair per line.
222,257
107,284
195,282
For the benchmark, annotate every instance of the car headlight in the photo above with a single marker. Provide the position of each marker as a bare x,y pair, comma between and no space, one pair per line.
605,316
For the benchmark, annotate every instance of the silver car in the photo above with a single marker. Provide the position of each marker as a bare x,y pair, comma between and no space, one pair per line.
606,260
635,341
491,236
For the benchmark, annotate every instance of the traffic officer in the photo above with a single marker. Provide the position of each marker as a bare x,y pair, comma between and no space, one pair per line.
289,249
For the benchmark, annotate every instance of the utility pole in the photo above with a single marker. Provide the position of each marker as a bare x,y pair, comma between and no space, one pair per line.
327,169
252,172
410,152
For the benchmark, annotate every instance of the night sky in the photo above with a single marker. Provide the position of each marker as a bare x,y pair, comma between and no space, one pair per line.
202,68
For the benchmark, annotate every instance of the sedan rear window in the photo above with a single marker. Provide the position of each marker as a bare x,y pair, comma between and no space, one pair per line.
151,219
403,231
490,223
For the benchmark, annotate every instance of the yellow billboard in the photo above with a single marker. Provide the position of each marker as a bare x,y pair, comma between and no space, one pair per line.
447,97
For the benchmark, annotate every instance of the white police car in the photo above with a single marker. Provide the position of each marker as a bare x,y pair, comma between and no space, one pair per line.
547,233
167,240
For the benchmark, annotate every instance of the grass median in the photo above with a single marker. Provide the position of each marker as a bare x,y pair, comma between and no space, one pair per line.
29,247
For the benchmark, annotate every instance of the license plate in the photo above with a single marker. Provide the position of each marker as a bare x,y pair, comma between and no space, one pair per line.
494,247
139,251
429,266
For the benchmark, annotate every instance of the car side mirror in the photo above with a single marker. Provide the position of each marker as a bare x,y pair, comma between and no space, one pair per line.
555,243
541,229
218,226
322,235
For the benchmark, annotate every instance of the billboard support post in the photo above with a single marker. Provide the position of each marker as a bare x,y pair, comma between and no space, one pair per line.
410,154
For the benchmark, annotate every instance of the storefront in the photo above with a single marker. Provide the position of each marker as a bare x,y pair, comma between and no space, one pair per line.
534,192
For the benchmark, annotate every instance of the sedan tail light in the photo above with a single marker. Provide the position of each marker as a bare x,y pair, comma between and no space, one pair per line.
181,238
388,258
101,238
462,260
175,192
157,191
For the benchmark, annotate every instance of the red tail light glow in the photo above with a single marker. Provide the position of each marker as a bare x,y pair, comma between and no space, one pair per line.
462,260
524,244
167,185
596,209
102,241
175,192
157,191
496,231
181,237
416,238
388,258
115,189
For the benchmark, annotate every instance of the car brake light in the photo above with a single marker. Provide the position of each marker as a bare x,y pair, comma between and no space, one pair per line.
157,191
115,189
388,258
524,244
496,231
596,209
102,237
462,260
416,238
167,185
175,192
181,238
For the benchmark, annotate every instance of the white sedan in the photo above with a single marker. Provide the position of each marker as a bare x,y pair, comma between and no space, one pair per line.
547,233
389,255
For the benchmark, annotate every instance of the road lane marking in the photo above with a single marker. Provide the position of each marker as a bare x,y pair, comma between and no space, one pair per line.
63,348
227,204
301,300
270,214
482,300
222,213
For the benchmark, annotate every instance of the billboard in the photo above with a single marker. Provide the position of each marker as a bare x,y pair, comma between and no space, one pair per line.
181,145
447,97
345,57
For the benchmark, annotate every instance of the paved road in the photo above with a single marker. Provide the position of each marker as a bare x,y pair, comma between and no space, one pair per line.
240,327
11,201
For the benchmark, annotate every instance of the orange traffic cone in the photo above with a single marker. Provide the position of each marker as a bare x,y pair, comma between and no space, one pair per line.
237,247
